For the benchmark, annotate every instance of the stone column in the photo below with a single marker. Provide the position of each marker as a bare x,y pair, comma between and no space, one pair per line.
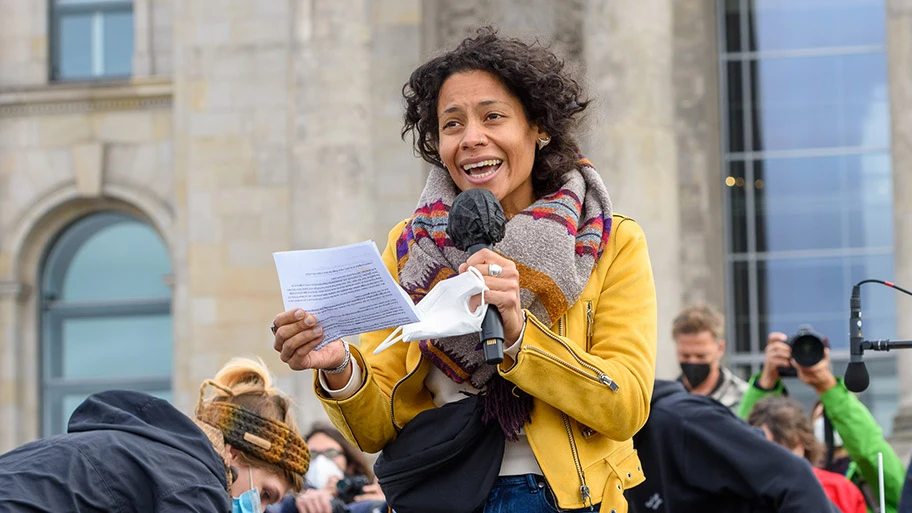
559,22
233,109
628,54
142,38
899,62
695,74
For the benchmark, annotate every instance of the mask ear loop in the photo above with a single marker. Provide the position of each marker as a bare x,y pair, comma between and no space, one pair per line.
393,337
481,307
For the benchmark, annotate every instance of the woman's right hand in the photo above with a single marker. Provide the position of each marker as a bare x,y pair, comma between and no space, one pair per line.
297,333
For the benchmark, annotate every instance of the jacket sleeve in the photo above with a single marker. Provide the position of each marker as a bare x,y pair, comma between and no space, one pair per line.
863,439
365,419
754,393
736,459
609,387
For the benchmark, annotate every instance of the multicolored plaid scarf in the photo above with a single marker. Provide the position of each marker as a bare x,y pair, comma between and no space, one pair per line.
555,243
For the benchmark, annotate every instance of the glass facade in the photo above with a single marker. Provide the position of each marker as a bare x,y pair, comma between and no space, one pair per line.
92,39
106,314
807,178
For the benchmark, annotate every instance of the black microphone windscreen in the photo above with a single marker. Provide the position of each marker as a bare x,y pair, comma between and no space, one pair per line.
856,377
476,217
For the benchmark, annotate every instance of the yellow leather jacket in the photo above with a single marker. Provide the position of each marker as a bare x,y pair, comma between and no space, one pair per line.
591,375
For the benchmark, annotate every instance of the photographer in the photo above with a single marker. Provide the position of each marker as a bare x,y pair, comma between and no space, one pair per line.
861,435
339,479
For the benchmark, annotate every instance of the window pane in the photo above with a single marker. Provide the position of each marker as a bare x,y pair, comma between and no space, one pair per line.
741,320
74,48
123,260
118,44
91,3
820,102
116,347
823,203
736,106
732,23
816,291
805,24
736,189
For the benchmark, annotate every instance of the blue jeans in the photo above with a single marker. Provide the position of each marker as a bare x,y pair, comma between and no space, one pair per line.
527,493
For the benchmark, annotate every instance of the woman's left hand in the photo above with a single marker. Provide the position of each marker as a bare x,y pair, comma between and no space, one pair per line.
372,492
503,293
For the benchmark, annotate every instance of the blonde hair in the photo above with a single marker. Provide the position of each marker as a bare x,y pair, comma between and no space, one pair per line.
697,319
247,385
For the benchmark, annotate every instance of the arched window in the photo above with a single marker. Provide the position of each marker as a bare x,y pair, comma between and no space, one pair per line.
106,314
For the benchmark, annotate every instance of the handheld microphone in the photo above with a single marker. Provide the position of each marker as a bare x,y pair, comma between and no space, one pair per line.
856,375
477,221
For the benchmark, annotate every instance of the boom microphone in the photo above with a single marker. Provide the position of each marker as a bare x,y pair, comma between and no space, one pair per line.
856,374
477,221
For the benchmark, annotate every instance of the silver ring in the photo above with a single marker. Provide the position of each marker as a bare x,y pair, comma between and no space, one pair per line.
495,270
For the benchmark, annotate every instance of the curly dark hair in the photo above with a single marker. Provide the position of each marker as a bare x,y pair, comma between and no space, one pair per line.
550,97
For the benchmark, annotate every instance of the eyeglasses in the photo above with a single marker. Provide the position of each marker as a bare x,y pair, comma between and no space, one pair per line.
329,453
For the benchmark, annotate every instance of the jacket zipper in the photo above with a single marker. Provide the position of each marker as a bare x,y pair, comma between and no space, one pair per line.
599,376
584,488
590,321
396,426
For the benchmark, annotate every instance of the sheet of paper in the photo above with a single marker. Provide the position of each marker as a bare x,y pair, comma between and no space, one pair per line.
347,289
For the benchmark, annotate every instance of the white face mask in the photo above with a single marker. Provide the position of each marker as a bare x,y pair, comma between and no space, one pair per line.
820,435
444,311
320,470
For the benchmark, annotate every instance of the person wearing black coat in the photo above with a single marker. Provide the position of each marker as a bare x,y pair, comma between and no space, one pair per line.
698,456
115,440
129,451
905,501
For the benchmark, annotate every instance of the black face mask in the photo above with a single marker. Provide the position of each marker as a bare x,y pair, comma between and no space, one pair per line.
695,373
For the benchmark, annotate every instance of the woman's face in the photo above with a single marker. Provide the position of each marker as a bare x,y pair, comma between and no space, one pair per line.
272,486
320,443
485,139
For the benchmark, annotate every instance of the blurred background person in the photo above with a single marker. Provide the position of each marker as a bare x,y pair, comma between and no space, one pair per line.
859,435
783,421
339,478
698,456
241,453
698,332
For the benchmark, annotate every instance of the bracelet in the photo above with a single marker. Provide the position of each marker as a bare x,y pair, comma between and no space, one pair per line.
345,362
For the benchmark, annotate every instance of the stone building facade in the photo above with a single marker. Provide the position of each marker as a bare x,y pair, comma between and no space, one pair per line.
249,127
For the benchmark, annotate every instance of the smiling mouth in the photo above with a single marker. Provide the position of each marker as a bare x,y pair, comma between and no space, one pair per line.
483,169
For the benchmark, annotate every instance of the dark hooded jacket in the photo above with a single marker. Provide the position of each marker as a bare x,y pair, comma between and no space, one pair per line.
123,451
698,456
905,503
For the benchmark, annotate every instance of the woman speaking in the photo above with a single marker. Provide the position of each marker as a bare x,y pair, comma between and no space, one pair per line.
571,280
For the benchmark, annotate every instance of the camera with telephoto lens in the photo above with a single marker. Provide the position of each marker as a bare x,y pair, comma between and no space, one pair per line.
350,487
807,349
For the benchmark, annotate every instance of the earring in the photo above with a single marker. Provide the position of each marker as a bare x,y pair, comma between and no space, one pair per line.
543,142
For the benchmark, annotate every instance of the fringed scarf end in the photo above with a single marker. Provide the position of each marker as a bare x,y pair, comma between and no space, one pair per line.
506,403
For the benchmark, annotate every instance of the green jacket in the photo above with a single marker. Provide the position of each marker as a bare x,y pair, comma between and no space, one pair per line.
861,436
